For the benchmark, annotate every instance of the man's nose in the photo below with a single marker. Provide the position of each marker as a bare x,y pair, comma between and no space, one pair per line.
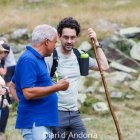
69,40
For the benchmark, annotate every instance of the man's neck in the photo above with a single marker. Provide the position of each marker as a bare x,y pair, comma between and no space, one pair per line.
38,49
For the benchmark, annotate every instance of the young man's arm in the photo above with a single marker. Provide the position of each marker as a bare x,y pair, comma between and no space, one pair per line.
101,56
103,61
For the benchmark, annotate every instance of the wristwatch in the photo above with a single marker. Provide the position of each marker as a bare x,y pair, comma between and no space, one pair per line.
99,45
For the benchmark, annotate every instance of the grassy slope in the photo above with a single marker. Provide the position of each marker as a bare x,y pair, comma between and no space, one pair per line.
88,12
18,13
102,126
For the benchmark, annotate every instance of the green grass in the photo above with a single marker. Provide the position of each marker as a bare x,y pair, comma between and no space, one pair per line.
128,118
101,125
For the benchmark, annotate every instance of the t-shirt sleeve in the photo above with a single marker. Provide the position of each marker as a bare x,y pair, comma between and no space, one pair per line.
92,63
28,73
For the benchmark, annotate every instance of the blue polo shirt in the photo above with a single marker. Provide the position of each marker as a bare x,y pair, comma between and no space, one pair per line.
31,71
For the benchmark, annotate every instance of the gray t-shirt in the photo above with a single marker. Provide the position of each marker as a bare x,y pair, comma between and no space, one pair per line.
68,66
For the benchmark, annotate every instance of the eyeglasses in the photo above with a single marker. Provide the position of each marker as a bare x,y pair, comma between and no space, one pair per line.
69,37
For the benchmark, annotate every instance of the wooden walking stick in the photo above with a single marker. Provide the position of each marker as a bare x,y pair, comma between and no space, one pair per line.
106,90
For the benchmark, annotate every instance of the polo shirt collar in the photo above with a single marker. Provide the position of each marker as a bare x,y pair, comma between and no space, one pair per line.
29,48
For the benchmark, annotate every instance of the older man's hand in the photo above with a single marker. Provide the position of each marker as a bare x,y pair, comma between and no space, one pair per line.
63,84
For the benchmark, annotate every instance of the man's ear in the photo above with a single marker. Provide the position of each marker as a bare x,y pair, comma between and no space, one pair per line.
46,42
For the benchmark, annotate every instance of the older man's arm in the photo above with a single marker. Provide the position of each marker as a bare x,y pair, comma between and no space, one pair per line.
38,92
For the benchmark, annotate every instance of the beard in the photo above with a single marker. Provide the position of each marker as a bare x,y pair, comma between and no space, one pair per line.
68,47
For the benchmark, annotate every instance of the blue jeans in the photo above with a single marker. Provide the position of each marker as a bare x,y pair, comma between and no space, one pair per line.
37,133
71,127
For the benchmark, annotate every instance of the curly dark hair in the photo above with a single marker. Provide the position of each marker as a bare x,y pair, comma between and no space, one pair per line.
68,22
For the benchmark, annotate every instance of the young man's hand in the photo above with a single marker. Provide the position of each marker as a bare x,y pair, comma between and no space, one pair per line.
92,35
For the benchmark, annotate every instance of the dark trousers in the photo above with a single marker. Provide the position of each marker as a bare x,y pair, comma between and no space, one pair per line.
4,118
71,127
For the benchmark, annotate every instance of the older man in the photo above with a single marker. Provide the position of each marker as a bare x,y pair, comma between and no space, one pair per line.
37,100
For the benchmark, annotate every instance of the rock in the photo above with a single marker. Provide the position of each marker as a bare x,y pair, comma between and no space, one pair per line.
17,48
81,99
135,85
114,54
116,78
101,90
116,95
87,84
86,46
99,97
4,39
19,33
94,74
135,52
90,90
110,40
118,42
86,119
100,107
118,48
131,32
122,67
130,96
105,25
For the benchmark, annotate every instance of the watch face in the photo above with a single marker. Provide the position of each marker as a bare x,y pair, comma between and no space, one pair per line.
99,45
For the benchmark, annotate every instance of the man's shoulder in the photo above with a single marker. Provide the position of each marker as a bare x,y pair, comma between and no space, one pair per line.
26,57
